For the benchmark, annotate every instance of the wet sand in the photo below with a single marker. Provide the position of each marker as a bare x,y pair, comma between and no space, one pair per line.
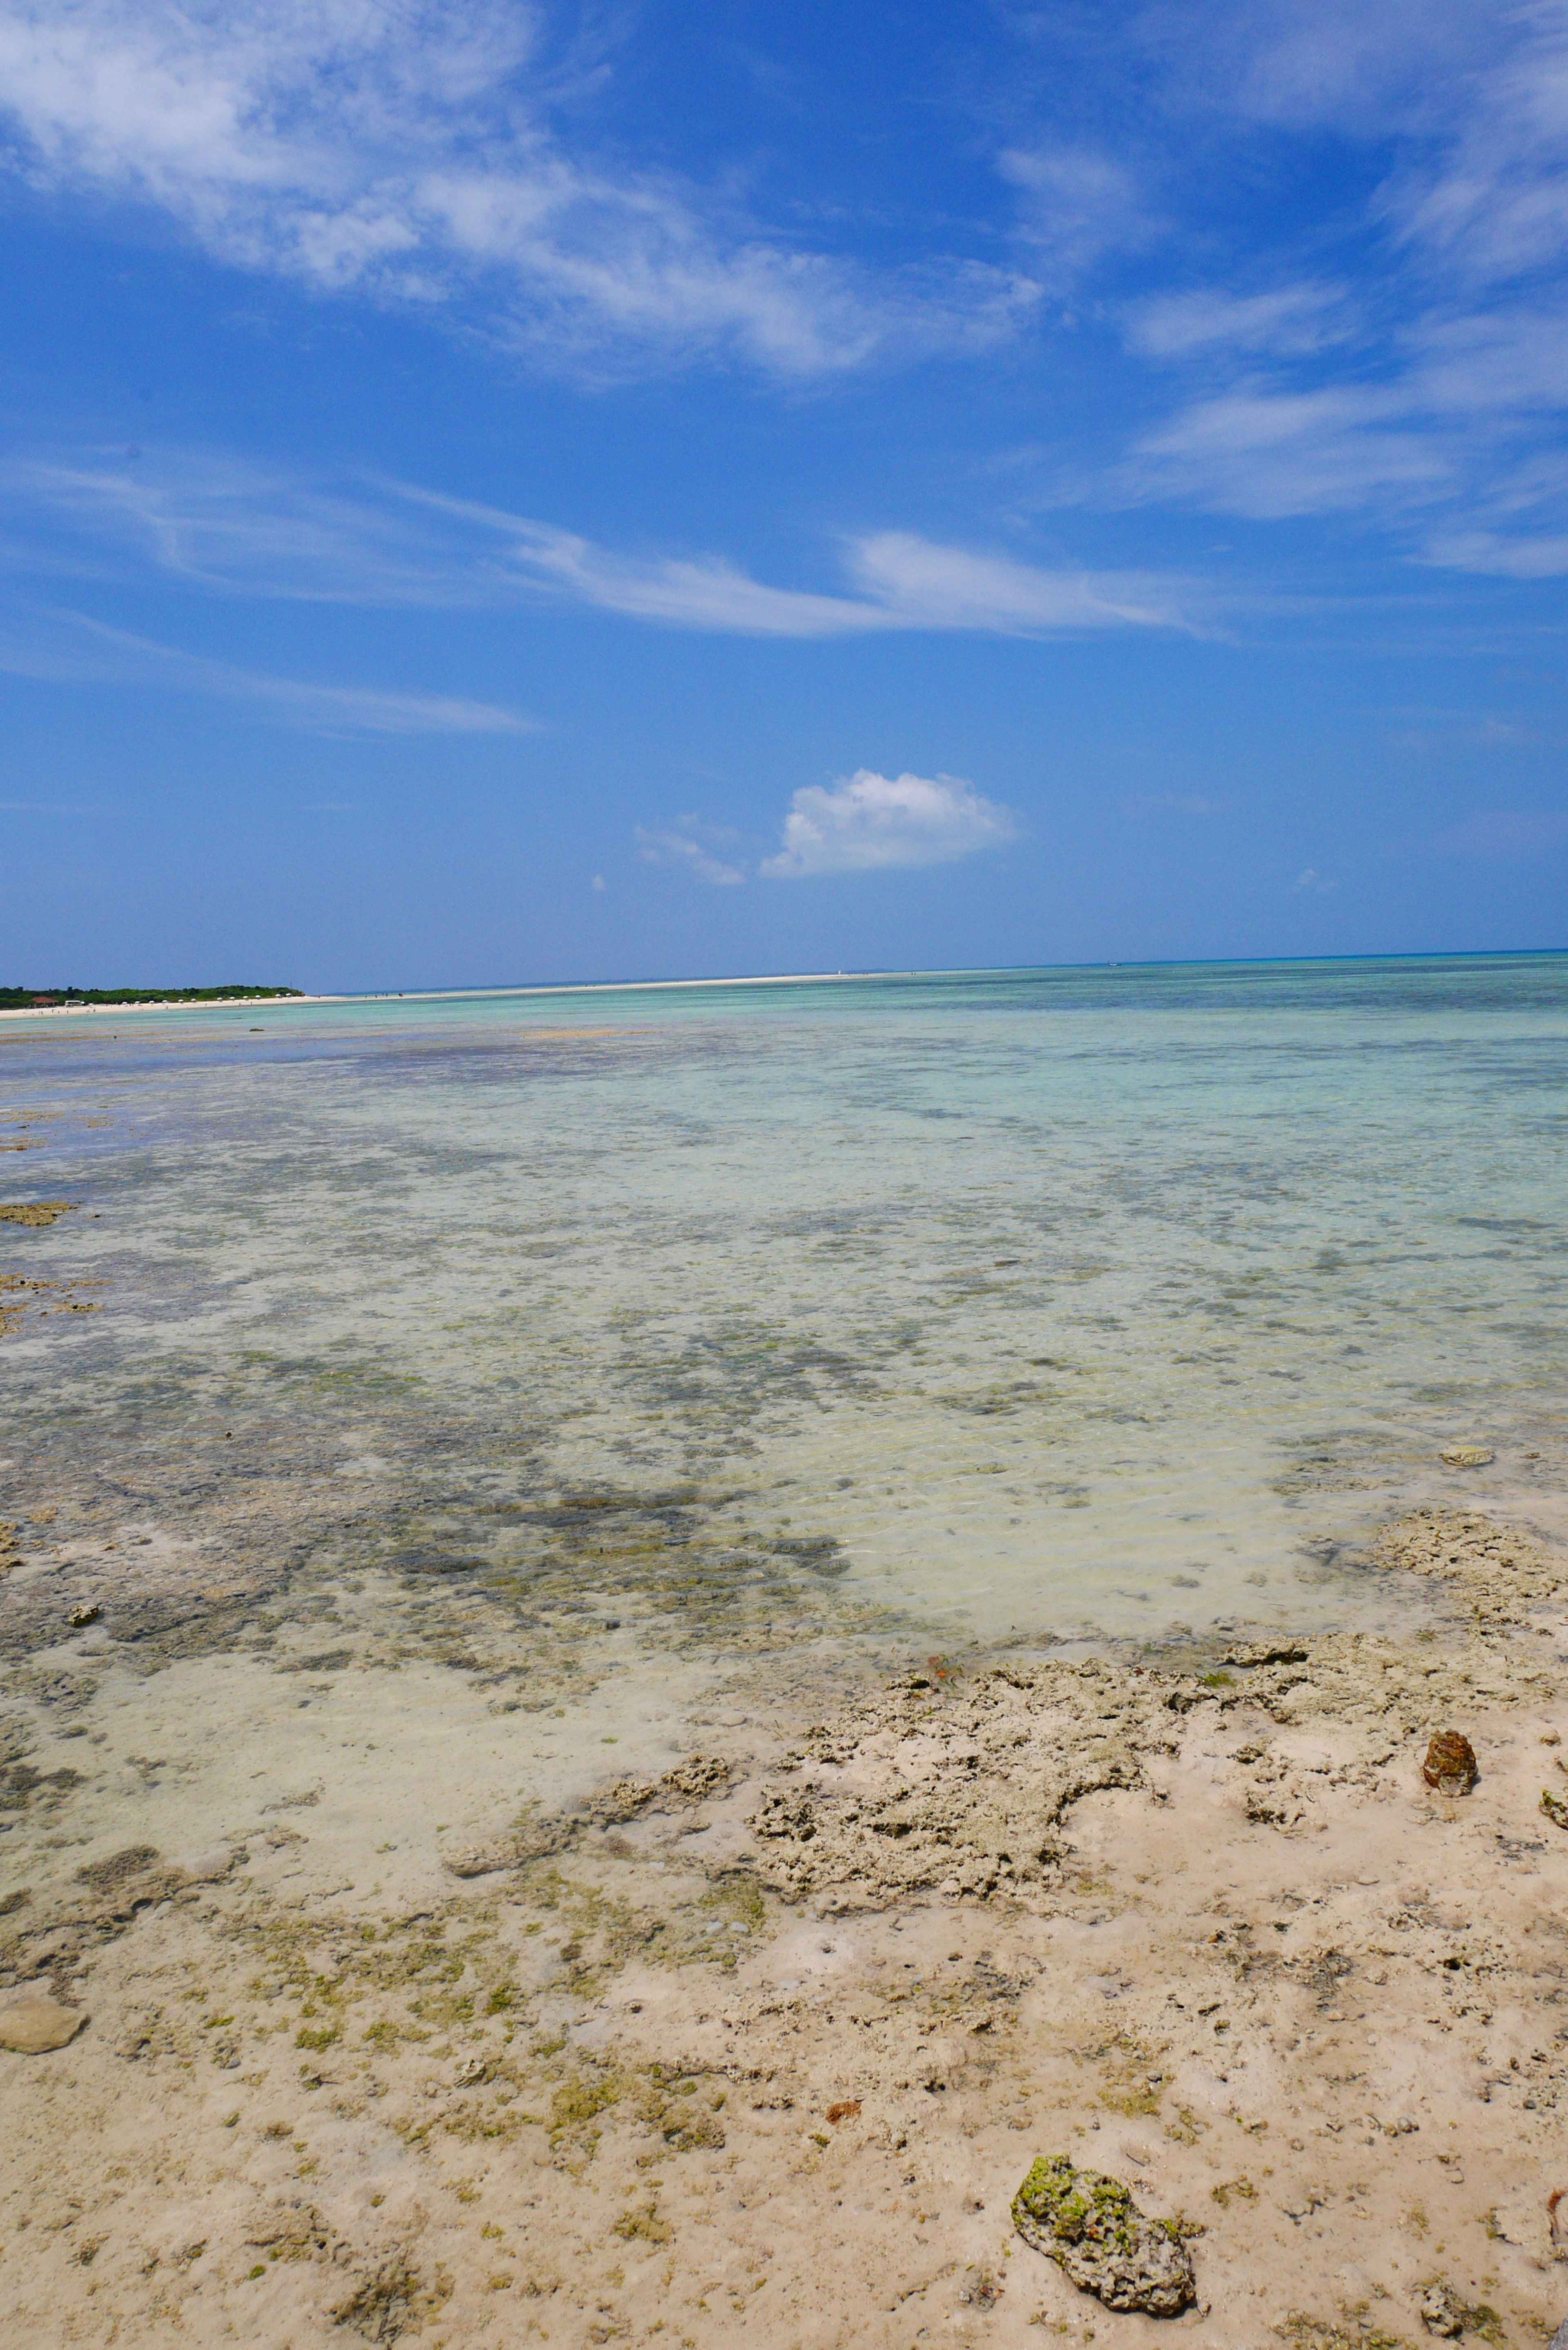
764,2013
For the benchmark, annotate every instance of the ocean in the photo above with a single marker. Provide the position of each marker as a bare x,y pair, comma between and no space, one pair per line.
1043,1302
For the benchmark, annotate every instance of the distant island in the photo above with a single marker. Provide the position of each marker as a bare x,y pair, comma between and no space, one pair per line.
27,999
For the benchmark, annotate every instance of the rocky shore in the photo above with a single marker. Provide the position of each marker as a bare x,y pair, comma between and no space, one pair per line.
774,2038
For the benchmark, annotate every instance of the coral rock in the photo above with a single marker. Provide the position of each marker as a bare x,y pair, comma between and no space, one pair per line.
1090,2226
1450,1763
35,2021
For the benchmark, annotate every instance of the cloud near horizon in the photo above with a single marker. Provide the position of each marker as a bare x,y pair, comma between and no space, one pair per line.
868,823
864,823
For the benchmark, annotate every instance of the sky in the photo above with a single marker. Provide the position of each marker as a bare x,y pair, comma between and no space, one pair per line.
502,494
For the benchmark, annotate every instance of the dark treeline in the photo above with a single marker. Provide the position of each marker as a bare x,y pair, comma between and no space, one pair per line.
20,999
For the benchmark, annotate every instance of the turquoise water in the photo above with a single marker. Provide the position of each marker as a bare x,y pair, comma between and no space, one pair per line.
996,1301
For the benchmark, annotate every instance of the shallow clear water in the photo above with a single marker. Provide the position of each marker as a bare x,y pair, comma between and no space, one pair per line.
1028,1301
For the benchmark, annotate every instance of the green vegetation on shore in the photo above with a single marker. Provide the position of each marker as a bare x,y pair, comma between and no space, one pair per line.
22,999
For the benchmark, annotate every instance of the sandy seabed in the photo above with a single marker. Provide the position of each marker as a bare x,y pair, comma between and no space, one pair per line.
767,2040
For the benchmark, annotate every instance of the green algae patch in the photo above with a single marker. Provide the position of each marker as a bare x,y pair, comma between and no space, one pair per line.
1089,2225
646,2225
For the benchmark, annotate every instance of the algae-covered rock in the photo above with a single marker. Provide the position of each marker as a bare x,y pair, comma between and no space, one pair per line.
1089,2224
1554,1807
1442,2312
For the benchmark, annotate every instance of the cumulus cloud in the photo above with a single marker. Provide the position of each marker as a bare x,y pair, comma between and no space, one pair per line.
411,154
869,822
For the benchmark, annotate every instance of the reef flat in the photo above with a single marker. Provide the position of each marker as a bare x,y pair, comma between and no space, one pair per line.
776,2033
645,1661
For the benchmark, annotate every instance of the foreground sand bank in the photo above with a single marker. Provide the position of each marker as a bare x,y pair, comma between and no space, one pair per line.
773,2039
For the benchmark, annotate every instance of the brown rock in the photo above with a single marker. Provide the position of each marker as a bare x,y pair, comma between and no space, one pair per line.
1450,1763
34,2021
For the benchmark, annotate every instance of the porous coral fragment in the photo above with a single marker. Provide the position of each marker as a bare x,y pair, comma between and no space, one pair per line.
1089,2225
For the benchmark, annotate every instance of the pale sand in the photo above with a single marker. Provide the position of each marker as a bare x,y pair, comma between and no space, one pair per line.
1215,1937
462,994
130,1010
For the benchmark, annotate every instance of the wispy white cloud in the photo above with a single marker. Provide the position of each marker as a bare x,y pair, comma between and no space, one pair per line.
1493,202
1260,451
1208,321
213,523
683,849
1195,803
1489,552
1313,880
869,822
64,648
411,153
1400,358
1506,832
1077,204
1360,68
916,584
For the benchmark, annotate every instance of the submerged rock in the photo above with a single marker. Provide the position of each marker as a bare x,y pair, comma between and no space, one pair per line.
35,2021
1450,1763
688,1782
1442,2312
1554,1807
1446,2316
1467,1455
531,1840
1089,2225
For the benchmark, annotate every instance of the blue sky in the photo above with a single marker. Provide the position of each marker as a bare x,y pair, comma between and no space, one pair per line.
493,493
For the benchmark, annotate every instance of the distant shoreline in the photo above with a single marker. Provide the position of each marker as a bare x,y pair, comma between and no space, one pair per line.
767,979
164,1003
446,995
